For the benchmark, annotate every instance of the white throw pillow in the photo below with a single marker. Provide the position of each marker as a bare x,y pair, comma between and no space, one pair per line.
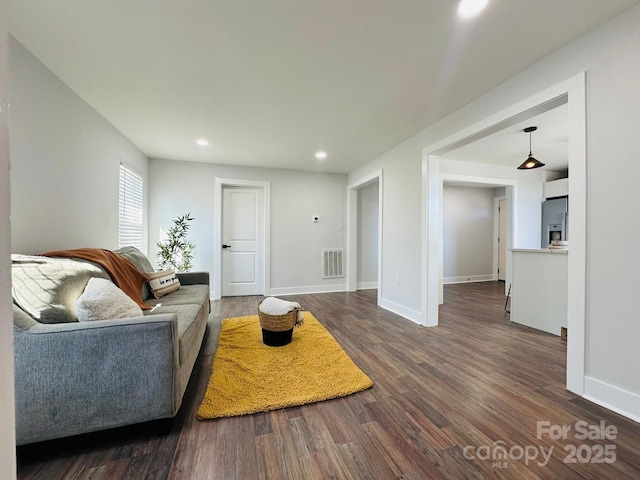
163,283
102,300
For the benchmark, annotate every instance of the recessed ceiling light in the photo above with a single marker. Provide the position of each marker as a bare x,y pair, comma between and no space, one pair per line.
471,8
321,155
202,142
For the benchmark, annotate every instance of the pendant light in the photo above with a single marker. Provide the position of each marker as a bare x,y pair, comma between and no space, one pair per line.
531,162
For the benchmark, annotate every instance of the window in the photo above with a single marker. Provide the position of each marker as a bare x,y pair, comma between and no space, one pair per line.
130,208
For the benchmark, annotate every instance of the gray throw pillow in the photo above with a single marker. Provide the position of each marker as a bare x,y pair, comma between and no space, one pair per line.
141,262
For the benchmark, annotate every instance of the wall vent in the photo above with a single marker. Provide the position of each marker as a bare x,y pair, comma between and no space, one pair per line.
332,263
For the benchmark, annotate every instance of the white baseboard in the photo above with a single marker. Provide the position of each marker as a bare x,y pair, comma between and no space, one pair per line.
613,398
408,313
468,279
340,287
401,310
366,285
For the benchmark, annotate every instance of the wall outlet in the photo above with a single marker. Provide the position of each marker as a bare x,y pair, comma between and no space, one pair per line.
315,219
397,279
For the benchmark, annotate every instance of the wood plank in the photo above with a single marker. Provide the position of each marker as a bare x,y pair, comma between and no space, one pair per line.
474,380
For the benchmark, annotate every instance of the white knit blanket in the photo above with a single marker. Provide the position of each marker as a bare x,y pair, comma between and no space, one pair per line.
277,306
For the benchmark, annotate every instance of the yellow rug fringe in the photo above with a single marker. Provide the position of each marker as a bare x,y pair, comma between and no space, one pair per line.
249,376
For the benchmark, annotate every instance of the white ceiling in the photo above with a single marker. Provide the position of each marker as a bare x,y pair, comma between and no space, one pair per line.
269,83
510,147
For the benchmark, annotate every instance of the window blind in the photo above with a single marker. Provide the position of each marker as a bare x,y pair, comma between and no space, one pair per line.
130,208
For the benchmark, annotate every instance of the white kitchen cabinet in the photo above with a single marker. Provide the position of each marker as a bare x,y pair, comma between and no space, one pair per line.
539,289
556,188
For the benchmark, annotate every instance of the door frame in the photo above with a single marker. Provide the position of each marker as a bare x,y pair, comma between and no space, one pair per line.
496,234
220,184
352,229
573,90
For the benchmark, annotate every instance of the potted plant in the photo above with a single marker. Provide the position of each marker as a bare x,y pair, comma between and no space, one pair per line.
176,251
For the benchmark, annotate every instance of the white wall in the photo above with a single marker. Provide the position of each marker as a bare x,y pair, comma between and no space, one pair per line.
65,163
467,233
7,416
401,227
296,242
529,193
368,236
609,55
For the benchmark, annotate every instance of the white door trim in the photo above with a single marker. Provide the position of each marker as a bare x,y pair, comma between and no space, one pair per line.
574,91
352,229
220,183
496,234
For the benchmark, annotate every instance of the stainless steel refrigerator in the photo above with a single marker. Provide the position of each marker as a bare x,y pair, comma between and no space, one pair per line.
555,220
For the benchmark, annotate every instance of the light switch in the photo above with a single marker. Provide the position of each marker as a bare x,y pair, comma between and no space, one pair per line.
315,219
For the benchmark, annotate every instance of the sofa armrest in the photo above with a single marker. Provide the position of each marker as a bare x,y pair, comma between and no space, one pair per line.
78,377
193,278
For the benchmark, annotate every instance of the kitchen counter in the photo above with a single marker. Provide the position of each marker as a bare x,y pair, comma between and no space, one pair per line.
541,250
539,288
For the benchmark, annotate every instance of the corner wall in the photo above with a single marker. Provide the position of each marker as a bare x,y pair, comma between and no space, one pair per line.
65,163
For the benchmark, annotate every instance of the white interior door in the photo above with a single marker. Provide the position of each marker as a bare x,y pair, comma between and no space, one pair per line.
242,241
502,235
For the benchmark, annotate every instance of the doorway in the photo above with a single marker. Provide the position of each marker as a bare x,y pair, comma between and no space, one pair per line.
468,232
573,92
368,223
241,238
500,238
353,221
510,192
242,241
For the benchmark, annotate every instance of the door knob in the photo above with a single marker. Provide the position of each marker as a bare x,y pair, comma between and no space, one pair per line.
226,246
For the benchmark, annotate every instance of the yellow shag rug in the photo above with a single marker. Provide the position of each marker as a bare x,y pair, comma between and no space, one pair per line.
249,376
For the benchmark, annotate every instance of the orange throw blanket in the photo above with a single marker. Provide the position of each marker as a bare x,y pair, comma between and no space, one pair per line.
124,273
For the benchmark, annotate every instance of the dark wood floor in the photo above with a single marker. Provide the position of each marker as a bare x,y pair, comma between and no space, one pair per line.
442,396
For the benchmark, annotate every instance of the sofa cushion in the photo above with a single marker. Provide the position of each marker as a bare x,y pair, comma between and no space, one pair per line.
188,294
103,300
141,262
191,318
47,288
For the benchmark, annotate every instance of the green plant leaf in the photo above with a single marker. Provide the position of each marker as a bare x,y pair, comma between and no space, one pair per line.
176,251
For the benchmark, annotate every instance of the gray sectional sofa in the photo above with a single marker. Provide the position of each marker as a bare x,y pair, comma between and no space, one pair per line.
76,377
